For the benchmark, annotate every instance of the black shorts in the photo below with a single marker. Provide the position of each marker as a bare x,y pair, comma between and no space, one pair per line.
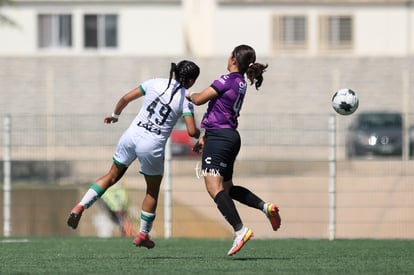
220,151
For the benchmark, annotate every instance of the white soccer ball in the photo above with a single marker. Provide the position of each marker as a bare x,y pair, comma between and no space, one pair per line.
345,102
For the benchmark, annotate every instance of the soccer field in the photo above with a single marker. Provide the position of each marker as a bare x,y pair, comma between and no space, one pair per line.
193,256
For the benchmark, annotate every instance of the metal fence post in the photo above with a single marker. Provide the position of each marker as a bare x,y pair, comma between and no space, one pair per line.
332,176
405,110
7,176
168,191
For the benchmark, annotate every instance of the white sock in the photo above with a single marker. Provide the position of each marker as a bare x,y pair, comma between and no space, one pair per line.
93,193
265,207
146,222
241,231
89,198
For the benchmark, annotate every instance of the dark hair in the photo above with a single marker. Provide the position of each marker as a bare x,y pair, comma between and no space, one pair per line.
183,72
246,63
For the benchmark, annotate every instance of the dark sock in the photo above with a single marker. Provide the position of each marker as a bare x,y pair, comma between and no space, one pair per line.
227,208
246,197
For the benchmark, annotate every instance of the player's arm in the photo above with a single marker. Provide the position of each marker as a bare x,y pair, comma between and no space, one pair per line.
202,97
192,129
194,132
123,102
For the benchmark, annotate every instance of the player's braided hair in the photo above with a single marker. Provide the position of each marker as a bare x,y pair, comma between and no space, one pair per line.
246,63
183,72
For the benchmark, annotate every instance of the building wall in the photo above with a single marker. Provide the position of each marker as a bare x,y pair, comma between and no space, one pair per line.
143,28
380,30
212,28
93,84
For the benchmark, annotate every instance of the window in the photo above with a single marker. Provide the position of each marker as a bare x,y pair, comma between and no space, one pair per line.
336,32
100,31
289,32
54,30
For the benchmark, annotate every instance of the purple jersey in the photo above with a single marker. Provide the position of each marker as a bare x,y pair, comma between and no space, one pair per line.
223,111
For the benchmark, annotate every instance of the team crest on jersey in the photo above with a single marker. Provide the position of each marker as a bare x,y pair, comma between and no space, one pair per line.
222,80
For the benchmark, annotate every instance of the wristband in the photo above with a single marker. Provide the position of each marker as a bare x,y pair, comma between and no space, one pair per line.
115,116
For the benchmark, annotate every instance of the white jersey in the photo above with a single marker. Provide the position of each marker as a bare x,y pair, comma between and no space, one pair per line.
147,135
158,115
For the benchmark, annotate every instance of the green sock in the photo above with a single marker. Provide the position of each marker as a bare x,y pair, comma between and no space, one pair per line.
99,190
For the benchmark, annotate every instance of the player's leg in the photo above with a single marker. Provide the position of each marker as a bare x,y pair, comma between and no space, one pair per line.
149,207
242,194
223,201
151,158
227,208
123,157
219,153
96,190
247,197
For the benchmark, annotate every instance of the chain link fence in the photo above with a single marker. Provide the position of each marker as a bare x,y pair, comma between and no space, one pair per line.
285,158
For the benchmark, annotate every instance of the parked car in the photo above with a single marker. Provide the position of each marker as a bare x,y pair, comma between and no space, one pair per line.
375,134
181,143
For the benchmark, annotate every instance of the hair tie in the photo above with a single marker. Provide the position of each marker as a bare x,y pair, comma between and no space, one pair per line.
251,64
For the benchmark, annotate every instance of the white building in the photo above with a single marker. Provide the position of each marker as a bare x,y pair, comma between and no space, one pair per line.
208,27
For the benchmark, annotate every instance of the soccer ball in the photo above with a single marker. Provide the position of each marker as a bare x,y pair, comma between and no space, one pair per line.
345,102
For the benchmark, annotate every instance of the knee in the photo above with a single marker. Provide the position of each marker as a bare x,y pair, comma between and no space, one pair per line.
213,190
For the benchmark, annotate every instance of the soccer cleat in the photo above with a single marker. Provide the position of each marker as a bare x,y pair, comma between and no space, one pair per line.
272,214
75,216
143,239
240,240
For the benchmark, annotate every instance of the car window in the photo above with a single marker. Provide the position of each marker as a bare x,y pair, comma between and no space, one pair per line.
380,120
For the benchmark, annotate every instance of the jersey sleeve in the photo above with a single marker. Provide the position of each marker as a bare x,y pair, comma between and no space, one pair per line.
188,108
221,84
142,89
145,86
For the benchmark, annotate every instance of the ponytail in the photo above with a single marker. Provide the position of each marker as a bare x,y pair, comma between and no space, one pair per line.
246,63
255,74
172,69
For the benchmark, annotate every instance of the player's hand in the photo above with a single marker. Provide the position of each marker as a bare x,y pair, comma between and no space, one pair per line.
188,96
110,119
199,146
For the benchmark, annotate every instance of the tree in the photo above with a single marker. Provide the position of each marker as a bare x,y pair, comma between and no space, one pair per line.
4,20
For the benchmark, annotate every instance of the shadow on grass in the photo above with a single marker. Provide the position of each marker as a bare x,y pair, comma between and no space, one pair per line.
224,257
262,259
